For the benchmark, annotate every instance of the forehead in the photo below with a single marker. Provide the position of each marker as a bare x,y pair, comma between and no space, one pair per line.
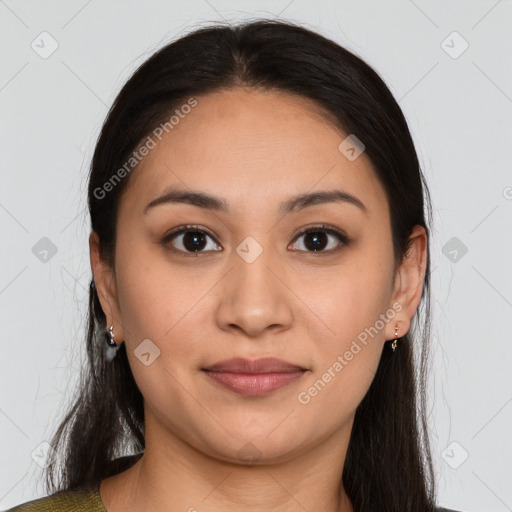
252,146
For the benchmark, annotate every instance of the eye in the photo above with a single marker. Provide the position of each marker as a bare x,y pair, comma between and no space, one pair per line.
189,239
192,239
317,238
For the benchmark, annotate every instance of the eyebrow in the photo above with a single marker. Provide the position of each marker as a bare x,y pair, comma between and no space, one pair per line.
209,202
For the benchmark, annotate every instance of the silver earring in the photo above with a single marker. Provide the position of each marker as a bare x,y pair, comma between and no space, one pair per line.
112,346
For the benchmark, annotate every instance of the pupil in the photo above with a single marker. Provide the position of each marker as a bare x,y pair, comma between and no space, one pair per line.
193,240
313,240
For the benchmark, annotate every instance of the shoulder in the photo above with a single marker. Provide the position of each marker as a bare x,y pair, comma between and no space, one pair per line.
441,509
84,498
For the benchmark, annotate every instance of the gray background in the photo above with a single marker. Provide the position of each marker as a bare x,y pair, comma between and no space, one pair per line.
458,105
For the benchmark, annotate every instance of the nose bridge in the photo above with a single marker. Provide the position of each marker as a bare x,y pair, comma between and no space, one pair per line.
253,297
252,262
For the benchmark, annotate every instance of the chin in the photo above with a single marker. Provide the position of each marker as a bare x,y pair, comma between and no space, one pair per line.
256,448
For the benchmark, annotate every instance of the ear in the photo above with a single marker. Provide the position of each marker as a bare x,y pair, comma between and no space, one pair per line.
409,283
105,282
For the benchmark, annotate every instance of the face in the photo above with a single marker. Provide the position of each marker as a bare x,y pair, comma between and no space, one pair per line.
246,281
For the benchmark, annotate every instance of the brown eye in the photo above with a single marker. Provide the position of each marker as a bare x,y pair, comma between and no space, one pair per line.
189,240
316,239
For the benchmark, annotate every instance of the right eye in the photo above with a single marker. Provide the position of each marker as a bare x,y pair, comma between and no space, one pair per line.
188,239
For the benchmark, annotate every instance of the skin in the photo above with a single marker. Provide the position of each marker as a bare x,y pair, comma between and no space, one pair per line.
254,149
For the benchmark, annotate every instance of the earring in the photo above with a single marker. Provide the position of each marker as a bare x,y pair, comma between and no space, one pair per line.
112,346
110,337
395,341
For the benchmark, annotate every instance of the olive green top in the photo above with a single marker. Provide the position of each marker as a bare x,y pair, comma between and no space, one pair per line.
85,498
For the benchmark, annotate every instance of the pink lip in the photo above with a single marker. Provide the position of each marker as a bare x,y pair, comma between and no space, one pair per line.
263,365
254,378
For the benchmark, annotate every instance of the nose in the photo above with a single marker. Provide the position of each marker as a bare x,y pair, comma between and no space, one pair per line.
255,296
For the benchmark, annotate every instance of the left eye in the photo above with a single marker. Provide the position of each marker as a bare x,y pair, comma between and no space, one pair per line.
316,239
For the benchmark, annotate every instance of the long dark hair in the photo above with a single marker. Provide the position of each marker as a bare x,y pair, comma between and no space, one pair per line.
388,465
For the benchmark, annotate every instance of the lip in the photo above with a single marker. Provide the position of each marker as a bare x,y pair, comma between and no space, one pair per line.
254,378
263,365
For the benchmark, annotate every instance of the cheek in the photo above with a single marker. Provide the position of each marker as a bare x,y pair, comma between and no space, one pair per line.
160,304
347,304
349,337
157,306
339,391
346,361
150,296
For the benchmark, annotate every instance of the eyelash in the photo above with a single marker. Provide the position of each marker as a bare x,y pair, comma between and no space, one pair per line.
344,240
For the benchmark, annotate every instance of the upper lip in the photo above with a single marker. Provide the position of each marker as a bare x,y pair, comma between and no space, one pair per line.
263,365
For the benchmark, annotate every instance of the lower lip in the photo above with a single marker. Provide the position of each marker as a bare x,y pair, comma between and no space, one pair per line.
254,384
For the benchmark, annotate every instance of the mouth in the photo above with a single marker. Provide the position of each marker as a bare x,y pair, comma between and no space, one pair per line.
263,365
254,378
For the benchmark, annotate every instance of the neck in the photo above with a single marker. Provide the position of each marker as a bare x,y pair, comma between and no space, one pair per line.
182,478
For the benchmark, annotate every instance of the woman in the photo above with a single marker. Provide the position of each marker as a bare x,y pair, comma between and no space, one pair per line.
260,254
